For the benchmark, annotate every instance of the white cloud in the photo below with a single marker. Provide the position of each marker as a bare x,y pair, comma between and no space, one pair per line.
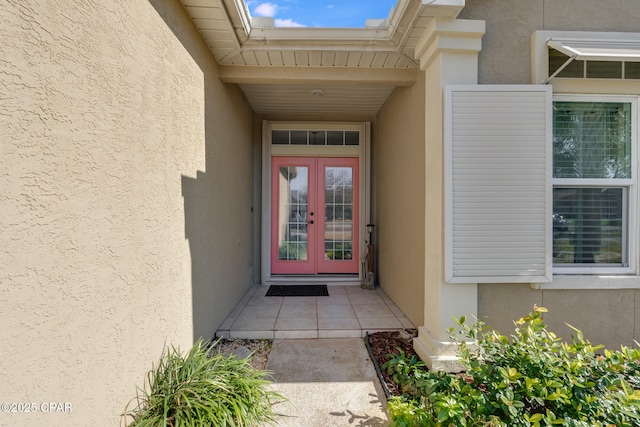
270,10
330,6
287,23
266,9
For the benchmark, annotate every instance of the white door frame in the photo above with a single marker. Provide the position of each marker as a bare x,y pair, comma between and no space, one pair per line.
362,151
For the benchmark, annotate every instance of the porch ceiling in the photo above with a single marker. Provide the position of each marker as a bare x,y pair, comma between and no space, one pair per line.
355,69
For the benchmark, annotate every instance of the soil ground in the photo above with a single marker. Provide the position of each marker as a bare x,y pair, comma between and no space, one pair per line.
385,343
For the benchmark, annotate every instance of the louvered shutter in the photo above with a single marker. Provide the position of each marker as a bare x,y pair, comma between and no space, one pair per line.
498,184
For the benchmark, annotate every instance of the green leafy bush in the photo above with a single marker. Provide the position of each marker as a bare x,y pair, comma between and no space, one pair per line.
199,389
531,378
410,374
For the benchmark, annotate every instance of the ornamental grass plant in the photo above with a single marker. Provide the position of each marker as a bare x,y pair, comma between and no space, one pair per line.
199,389
531,378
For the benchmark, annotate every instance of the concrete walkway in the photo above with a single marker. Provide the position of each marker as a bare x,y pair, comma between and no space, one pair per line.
329,382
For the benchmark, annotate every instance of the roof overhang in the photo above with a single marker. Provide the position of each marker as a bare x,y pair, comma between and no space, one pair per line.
369,60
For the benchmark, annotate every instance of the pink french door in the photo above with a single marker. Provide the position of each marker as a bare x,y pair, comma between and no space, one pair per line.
314,218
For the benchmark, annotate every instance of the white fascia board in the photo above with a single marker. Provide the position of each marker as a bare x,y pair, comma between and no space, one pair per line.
305,34
243,13
443,8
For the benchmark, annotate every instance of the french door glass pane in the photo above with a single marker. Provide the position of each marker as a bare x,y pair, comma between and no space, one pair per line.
589,225
292,223
338,232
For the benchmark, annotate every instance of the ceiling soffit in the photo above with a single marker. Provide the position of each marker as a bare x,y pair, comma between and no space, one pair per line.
225,25
369,61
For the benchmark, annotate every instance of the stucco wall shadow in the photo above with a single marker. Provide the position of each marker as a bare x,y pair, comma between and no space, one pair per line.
218,200
125,211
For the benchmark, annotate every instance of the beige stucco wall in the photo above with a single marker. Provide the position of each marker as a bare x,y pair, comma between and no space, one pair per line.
125,218
506,55
607,316
399,182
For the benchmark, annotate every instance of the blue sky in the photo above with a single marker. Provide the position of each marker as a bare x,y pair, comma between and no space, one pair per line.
318,13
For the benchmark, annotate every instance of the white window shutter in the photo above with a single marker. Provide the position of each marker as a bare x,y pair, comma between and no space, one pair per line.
498,194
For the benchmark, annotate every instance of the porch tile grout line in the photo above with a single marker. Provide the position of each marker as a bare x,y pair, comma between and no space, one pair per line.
392,312
387,302
354,312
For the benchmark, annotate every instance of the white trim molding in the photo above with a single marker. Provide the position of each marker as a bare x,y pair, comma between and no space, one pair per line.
587,282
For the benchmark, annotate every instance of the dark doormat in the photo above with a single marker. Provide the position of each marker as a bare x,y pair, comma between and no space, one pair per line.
298,291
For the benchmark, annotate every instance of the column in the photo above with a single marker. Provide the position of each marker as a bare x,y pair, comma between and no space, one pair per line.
448,54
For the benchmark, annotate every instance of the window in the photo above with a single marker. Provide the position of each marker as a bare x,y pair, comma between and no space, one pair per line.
568,57
594,184
315,137
591,69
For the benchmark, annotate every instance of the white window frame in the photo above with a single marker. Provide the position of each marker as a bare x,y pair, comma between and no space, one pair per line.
631,185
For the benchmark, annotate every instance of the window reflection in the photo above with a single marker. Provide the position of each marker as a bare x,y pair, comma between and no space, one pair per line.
338,232
292,224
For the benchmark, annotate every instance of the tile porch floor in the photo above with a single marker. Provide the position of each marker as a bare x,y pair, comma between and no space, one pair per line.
348,312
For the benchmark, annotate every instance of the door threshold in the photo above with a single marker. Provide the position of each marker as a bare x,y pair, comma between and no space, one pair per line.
334,279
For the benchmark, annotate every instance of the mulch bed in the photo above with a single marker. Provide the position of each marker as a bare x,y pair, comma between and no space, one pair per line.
384,343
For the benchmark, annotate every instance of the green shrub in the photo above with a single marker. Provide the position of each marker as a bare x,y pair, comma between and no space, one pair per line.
531,378
199,389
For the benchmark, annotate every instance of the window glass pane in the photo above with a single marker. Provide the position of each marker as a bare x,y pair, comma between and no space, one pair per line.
317,137
557,59
591,140
632,70
338,232
292,225
352,137
589,225
335,137
280,137
604,70
299,137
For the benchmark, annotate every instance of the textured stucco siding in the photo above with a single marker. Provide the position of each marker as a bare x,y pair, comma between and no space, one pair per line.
399,183
125,210
506,54
608,316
